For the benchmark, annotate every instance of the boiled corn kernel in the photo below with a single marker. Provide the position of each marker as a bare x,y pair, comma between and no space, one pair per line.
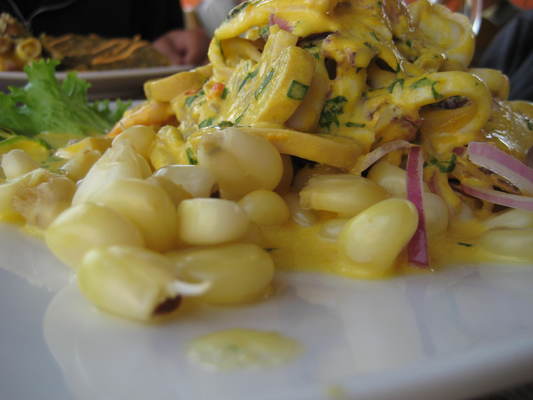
374,238
86,226
240,162
343,194
168,148
139,137
238,273
16,163
436,214
514,244
332,228
211,221
514,218
196,180
148,206
299,215
78,166
265,207
131,282
120,161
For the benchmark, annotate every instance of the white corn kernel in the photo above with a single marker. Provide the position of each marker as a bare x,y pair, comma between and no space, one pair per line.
436,214
176,193
514,218
41,204
511,243
79,165
374,238
120,161
390,177
132,282
148,206
240,162
211,221
16,163
299,215
265,207
238,273
140,137
195,179
332,228
343,194
10,189
86,226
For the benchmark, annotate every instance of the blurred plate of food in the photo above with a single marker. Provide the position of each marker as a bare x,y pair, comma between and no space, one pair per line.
115,67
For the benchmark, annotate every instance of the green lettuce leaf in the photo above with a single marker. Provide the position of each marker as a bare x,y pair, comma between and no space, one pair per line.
46,105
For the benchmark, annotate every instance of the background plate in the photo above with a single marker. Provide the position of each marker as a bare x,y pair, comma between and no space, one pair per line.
120,83
455,334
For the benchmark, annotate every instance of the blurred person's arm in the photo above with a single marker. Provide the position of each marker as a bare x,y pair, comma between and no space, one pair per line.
183,46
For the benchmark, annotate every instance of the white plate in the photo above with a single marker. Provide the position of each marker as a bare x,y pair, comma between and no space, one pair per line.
112,84
454,334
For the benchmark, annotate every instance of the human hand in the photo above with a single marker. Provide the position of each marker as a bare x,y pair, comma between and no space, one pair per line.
183,46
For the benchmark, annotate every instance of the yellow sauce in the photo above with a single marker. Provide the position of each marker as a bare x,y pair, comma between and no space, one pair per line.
242,348
296,247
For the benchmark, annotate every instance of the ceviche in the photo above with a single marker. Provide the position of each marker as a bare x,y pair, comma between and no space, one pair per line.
347,137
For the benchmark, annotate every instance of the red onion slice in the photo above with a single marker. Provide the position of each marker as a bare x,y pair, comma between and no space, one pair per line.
370,158
501,198
417,249
490,157
282,23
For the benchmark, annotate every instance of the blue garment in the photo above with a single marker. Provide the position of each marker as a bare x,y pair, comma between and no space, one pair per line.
511,51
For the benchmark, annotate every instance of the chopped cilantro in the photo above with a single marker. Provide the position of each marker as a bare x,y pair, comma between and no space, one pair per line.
465,244
206,123
436,95
224,93
399,82
421,83
375,36
444,166
354,125
259,91
191,99
191,157
332,109
264,31
409,43
237,9
240,117
297,90
225,124
249,76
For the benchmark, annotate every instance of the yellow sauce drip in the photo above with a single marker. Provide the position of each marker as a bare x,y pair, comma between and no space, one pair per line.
242,348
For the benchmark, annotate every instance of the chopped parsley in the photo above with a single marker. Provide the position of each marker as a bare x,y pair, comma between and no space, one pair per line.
224,124
264,31
529,124
191,157
297,90
332,109
191,99
240,117
409,43
444,166
249,76
465,244
369,45
206,122
259,91
399,82
354,125
375,36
